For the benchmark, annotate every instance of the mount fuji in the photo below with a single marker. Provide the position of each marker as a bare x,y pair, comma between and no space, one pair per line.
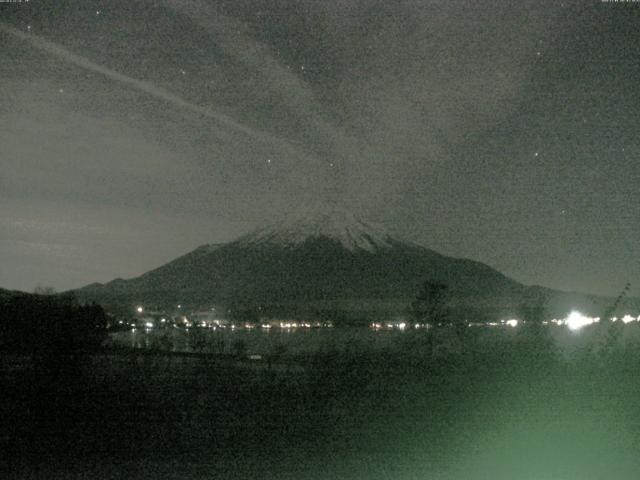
337,225
319,261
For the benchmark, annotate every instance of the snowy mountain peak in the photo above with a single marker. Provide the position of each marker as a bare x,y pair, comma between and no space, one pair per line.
323,221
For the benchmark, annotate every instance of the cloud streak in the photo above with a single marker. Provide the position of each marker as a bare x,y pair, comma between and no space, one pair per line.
145,87
233,36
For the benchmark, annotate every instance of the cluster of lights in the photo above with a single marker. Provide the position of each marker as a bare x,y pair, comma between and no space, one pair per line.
289,325
502,323
574,321
395,326
627,319
217,324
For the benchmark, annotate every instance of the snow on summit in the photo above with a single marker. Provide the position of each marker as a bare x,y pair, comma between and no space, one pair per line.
324,221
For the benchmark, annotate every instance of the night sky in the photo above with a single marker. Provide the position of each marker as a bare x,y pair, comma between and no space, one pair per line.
503,131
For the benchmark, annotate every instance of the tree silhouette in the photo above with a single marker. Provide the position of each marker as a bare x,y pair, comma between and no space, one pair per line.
430,305
44,290
533,310
50,325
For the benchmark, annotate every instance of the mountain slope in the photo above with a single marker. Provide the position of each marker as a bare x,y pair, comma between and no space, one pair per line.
322,259
336,224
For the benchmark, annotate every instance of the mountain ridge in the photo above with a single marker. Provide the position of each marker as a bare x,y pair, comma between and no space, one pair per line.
327,257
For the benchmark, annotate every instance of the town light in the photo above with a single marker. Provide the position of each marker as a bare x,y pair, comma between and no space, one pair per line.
576,320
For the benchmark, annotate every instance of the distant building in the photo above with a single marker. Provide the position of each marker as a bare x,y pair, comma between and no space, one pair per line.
207,318
152,319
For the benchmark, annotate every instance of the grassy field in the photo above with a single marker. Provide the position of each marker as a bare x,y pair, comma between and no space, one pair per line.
436,406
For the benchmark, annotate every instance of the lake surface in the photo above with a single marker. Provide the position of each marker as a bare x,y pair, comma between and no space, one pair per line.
259,341
299,341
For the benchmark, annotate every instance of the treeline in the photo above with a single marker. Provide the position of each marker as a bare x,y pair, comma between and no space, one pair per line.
49,325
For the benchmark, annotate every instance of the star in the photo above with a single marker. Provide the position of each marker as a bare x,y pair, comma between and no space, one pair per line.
28,28
98,12
536,154
268,160
183,72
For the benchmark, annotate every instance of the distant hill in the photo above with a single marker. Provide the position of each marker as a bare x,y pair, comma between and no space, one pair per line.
331,261
6,295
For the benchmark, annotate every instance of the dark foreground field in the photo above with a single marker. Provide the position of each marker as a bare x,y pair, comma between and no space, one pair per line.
444,407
